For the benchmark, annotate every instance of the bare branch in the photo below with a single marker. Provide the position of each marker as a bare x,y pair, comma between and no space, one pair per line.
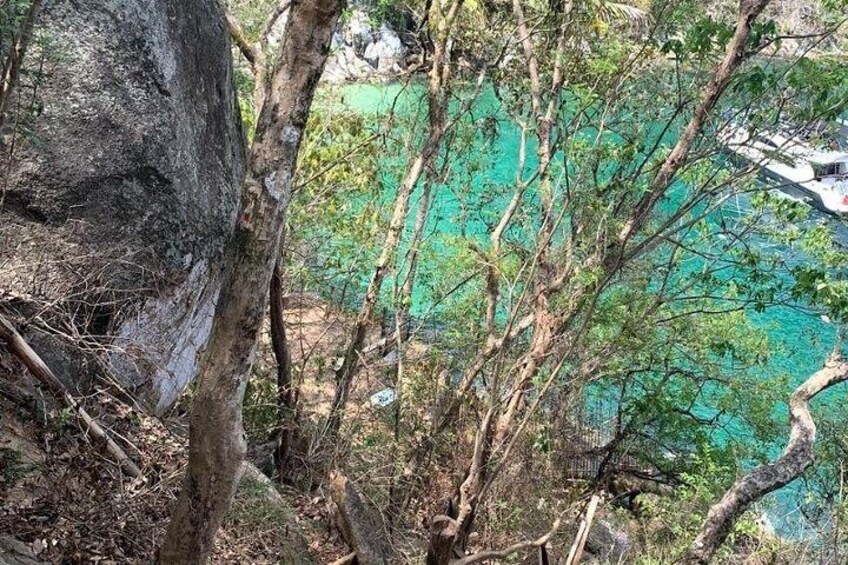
795,459
20,348
514,548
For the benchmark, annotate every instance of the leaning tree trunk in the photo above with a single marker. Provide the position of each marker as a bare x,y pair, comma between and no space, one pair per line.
438,96
797,456
217,444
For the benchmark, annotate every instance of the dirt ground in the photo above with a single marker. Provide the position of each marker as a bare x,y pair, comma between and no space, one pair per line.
66,502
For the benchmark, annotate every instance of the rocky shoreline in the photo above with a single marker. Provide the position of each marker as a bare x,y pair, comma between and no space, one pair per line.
364,50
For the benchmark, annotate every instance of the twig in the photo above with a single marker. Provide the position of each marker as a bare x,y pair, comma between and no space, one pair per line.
20,348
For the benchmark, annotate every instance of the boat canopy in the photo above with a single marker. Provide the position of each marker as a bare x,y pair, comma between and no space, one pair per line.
829,164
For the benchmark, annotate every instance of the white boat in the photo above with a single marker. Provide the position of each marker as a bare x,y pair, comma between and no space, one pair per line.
819,178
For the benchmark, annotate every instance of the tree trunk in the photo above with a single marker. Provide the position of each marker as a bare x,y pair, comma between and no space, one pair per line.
217,444
438,96
286,397
797,456
14,58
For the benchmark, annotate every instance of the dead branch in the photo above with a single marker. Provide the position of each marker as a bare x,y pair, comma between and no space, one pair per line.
346,560
514,548
576,551
237,34
764,479
21,349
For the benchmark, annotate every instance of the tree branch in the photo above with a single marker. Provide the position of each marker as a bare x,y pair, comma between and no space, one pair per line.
764,479
506,552
21,349
237,34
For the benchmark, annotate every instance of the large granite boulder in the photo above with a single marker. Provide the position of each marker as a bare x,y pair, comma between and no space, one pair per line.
123,186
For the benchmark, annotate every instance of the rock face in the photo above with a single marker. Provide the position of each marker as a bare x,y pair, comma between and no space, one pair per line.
387,53
361,51
118,204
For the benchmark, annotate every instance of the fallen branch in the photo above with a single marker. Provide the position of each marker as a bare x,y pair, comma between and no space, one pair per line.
764,479
576,551
514,548
21,349
346,560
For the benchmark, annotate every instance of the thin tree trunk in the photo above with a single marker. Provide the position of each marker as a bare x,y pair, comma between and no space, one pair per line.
764,479
405,302
217,444
399,488
347,371
15,58
437,113
286,396
734,55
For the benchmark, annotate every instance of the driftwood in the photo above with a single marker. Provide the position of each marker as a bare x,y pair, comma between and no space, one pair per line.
764,479
357,525
21,349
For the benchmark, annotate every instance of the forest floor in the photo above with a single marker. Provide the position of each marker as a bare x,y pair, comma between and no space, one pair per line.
63,501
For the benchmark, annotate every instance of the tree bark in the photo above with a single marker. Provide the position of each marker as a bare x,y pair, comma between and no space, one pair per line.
286,396
764,479
217,443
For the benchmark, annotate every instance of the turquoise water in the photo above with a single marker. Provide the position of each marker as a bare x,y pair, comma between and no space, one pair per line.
800,340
